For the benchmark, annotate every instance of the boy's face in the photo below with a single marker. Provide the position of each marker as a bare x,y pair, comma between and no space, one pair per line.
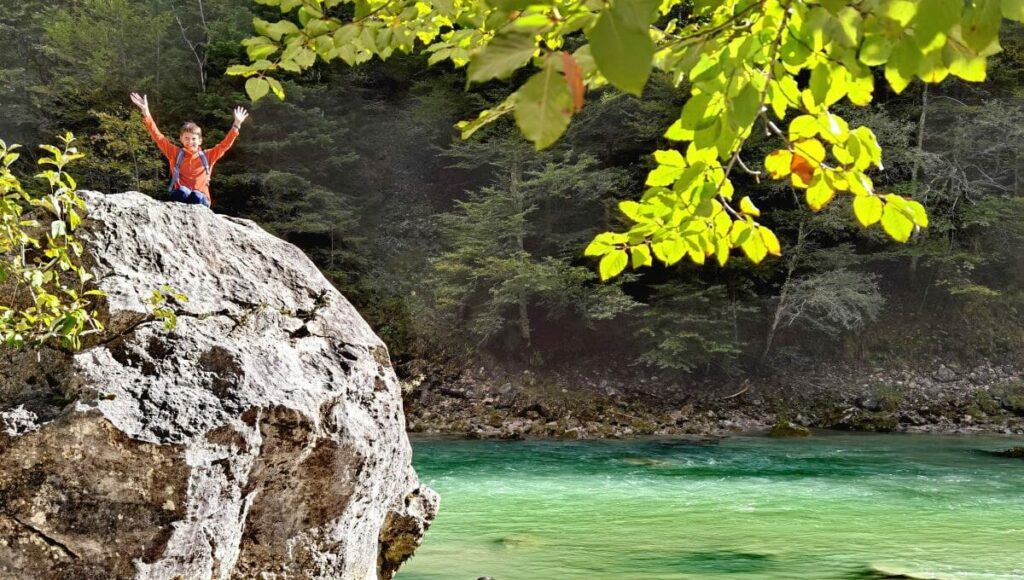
191,141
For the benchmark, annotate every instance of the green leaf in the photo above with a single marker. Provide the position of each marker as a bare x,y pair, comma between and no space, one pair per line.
622,49
631,209
897,225
862,85
934,19
740,233
259,52
670,166
867,209
596,248
722,251
980,25
778,163
795,53
669,251
754,248
275,85
281,28
305,57
346,34
257,88
695,111
819,193
640,256
902,64
612,264
502,56
261,26
663,175
747,207
543,107
917,213
821,78
875,49
901,11
637,13
771,242
1013,9
746,106
487,116
968,67
803,127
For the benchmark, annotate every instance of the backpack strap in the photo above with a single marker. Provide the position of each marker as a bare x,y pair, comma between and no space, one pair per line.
205,161
177,170
177,166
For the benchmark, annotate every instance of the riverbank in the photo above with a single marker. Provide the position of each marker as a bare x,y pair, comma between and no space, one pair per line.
489,404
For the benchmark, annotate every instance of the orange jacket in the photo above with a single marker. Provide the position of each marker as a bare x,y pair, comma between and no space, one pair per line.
192,174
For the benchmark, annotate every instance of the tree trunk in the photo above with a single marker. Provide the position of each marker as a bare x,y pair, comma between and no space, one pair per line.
518,206
198,48
330,263
787,285
917,163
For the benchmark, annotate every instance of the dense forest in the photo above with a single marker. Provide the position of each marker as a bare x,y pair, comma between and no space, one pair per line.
470,253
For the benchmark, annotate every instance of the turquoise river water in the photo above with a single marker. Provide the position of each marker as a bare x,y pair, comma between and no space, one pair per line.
831,506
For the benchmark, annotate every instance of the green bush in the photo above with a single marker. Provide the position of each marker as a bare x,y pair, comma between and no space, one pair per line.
43,293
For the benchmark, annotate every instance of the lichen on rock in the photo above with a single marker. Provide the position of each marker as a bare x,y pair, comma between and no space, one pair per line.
263,436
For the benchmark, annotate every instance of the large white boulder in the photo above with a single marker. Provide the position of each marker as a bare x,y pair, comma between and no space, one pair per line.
262,438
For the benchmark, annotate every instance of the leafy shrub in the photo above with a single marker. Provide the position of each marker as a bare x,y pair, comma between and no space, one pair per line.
43,293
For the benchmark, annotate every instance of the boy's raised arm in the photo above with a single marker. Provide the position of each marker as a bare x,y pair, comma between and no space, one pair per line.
221,148
166,147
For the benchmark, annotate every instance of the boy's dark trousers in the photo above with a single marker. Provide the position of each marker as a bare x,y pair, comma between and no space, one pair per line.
190,196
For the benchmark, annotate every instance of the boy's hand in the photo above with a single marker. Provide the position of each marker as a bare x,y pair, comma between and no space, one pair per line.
142,102
240,115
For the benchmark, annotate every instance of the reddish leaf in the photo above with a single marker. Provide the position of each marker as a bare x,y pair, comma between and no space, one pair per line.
802,168
574,76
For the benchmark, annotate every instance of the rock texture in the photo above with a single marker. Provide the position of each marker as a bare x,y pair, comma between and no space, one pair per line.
262,438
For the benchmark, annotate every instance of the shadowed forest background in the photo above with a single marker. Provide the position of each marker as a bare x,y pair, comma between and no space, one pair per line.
465,254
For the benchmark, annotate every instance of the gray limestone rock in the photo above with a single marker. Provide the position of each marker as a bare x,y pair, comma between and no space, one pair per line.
262,438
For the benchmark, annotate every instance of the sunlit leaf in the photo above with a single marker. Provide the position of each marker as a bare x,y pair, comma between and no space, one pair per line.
612,264
867,209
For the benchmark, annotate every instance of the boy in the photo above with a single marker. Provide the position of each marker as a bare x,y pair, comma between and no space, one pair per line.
190,166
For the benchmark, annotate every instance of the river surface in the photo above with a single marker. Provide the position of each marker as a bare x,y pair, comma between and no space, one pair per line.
832,506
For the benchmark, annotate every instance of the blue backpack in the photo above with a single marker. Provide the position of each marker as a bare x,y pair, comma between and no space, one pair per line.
177,166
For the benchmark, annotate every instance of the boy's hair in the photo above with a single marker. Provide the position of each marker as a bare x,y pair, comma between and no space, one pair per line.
191,127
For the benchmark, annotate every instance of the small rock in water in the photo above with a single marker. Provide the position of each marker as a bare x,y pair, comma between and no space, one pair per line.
485,578
784,429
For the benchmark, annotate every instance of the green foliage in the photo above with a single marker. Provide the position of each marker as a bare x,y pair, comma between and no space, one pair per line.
742,61
502,241
118,153
160,302
43,283
693,327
